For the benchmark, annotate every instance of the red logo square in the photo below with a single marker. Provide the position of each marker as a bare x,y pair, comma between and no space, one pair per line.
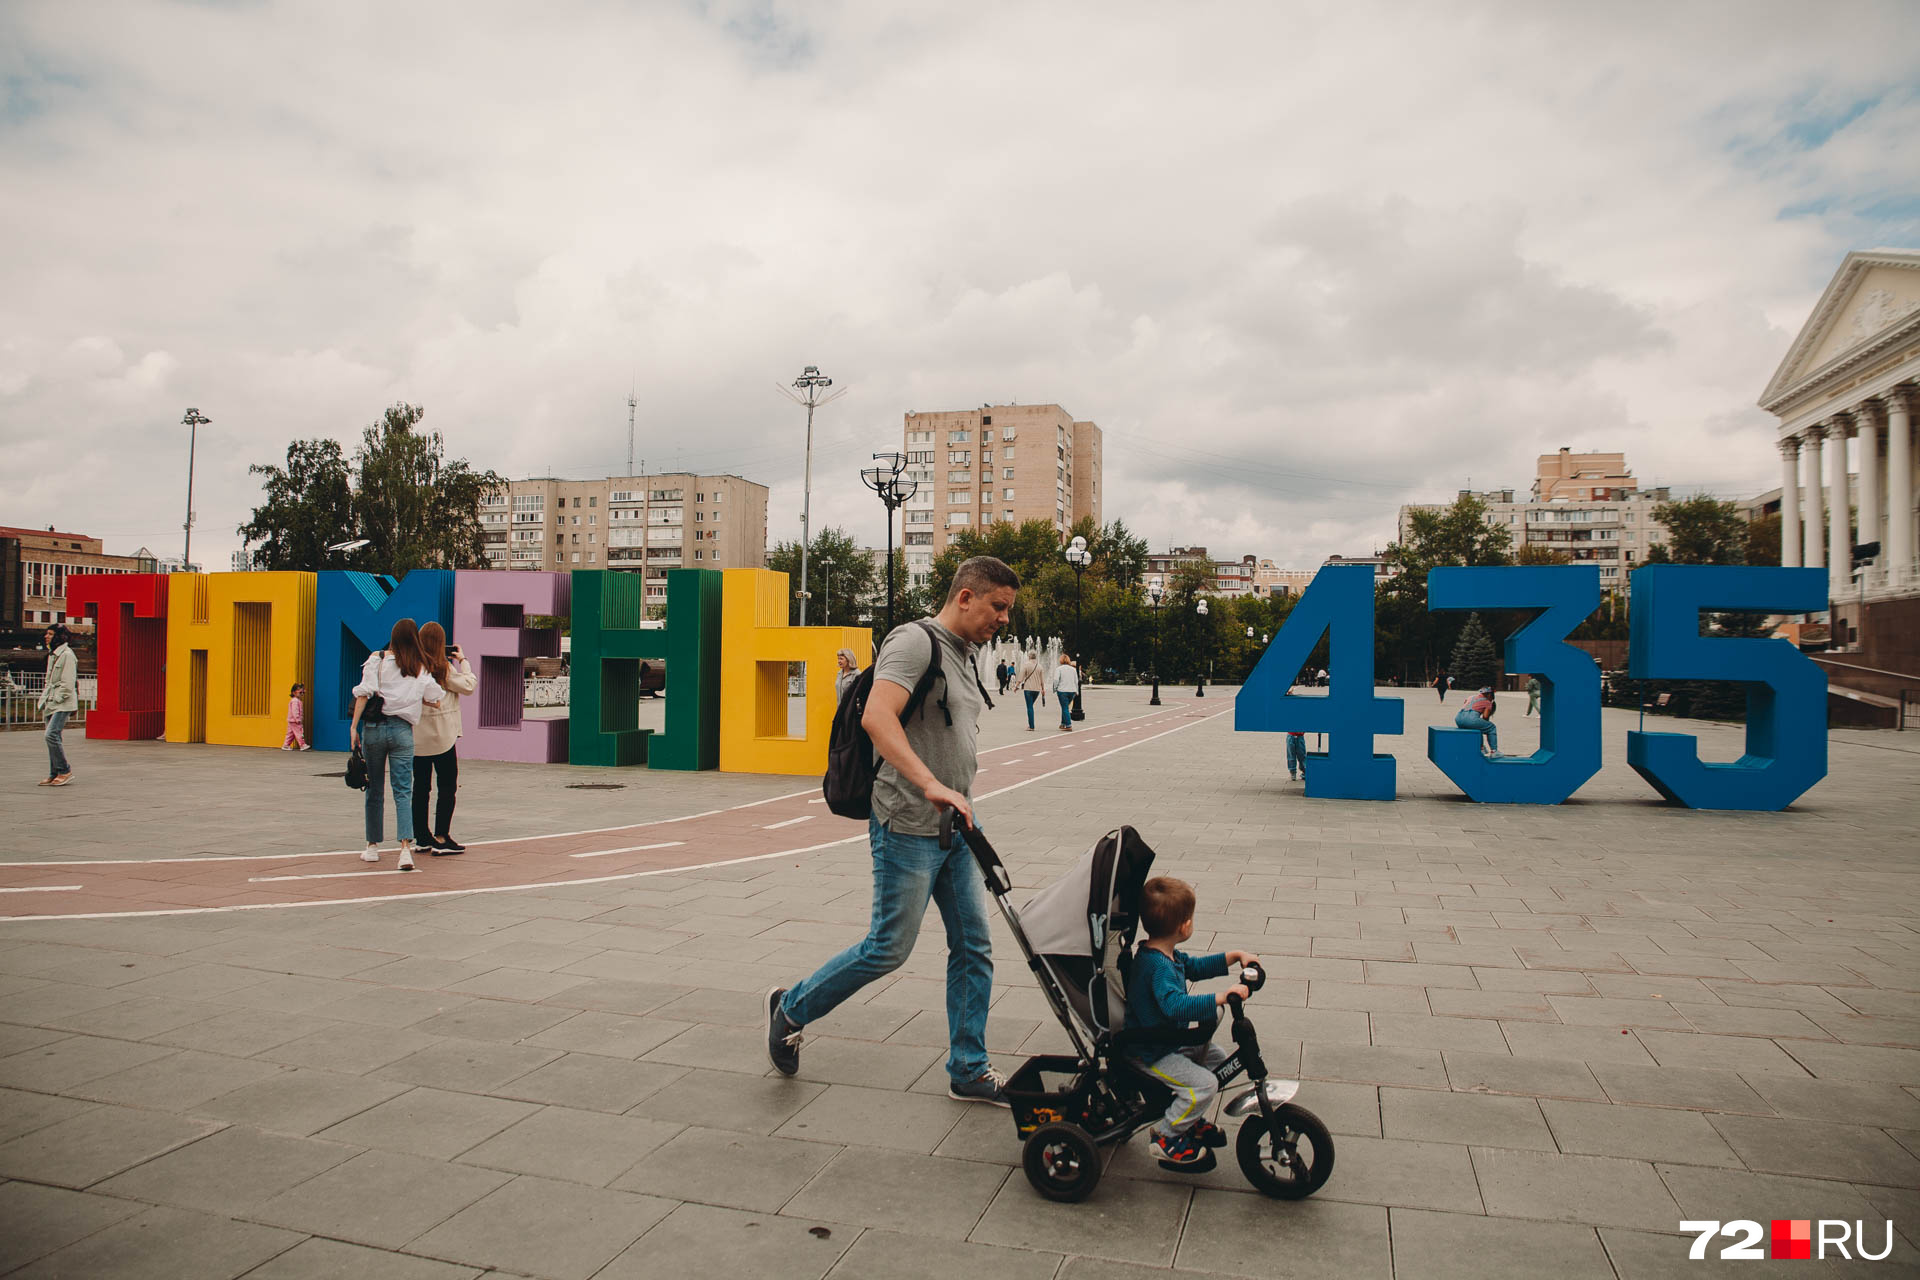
1792,1238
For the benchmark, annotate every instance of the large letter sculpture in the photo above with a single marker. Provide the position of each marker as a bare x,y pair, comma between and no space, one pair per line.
130,627
1786,694
609,645
489,617
353,616
756,644
1569,751
1339,605
236,643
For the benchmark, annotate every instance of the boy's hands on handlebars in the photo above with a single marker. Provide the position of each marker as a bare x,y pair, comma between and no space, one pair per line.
1237,989
1241,959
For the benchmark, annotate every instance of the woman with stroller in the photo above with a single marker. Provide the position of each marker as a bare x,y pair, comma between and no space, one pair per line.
434,740
394,687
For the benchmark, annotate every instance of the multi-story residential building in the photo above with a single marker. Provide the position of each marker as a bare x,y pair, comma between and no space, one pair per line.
1270,579
660,522
1615,533
34,564
1581,477
1161,565
1011,462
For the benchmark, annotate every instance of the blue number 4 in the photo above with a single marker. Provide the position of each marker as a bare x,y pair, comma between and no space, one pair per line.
1569,751
1338,605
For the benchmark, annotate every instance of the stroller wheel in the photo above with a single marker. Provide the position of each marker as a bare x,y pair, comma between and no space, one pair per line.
1062,1162
1293,1161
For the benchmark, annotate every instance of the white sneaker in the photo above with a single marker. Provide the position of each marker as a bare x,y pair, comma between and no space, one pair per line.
306,746
406,858
372,854
285,747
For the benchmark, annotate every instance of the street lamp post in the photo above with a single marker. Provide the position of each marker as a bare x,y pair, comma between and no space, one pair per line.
1079,557
192,422
1155,594
893,490
811,383
826,563
1200,676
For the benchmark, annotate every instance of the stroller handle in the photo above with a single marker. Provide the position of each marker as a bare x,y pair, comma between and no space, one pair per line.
999,883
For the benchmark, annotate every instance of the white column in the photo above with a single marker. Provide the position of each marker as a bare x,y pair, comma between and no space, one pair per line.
1814,547
1839,510
1790,502
1899,546
1867,448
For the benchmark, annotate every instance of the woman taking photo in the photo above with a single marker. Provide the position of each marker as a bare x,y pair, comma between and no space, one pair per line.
433,743
394,686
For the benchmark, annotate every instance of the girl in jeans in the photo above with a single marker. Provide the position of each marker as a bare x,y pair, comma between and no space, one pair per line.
1478,716
1066,687
397,675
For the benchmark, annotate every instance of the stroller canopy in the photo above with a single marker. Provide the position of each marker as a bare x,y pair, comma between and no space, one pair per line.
1082,927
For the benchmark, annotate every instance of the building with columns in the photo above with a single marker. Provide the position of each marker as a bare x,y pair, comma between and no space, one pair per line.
1846,395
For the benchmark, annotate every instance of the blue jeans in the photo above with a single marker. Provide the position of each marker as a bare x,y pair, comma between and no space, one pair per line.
388,747
907,871
1032,696
1473,720
56,751
1065,700
1296,753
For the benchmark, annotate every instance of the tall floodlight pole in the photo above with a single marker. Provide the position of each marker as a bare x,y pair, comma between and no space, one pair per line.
810,384
894,490
826,563
192,422
1079,557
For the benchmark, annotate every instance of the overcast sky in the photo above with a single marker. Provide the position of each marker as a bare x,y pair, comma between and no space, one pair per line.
1302,262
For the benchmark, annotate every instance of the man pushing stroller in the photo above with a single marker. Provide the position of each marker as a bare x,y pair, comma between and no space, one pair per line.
1159,1007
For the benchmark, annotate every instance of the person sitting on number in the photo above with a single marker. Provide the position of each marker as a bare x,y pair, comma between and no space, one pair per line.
1477,715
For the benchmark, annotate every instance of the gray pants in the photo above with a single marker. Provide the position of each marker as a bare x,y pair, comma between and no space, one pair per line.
1189,1073
56,750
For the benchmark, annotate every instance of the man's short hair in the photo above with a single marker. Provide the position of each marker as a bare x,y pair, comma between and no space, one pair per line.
982,574
1165,905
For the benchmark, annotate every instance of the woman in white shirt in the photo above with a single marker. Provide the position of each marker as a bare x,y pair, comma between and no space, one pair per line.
397,676
1066,687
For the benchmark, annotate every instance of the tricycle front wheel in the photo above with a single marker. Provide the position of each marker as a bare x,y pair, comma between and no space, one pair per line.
1062,1162
1289,1160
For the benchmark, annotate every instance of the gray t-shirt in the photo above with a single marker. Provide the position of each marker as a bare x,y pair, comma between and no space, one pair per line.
949,751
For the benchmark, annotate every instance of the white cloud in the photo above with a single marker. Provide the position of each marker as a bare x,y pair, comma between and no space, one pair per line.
1302,263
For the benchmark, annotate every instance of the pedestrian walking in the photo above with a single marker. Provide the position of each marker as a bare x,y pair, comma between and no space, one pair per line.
394,686
296,739
1533,693
848,671
1032,683
435,740
1296,756
59,698
1440,683
1000,674
1066,687
1323,677
1477,715
927,764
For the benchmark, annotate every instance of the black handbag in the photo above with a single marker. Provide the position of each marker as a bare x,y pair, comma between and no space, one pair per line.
357,770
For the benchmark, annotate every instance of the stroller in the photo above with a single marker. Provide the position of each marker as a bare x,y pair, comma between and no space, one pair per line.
1077,936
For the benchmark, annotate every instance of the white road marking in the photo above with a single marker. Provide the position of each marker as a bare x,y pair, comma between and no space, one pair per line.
329,875
634,848
790,822
44,888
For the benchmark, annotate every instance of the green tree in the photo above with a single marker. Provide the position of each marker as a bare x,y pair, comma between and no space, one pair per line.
1474,664
417,508
1454,535
1763,540
1539,553
308,508
852,580
1408,637
1701,530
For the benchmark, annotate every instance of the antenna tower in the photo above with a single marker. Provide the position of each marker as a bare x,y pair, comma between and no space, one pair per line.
631,405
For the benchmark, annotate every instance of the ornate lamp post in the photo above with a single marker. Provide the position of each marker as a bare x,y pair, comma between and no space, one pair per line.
1079,557
893,490
192,422
1155,594
1200,676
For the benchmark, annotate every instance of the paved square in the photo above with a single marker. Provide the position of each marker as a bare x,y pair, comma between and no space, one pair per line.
1536,1034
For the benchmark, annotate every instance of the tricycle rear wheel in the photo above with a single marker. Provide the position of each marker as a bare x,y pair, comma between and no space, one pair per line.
1062,1162
1290,1162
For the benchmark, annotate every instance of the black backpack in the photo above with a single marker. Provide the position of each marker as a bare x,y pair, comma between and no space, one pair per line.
851,766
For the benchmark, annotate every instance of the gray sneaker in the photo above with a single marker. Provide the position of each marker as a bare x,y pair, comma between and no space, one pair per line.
989,1088
783,1036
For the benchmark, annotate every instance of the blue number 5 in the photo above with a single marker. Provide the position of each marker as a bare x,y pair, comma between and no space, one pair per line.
1786,694
1338,605
1569,751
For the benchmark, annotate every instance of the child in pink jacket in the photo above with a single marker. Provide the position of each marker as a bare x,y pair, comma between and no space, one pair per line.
296,721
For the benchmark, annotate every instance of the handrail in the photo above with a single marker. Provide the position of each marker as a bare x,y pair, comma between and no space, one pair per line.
1854,666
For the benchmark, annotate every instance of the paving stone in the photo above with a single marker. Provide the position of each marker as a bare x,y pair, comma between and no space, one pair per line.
1590,1190
538,1227
1429,1115
1744,1054
52,1067
243,1032
591,1083
135,1019
735,1170
97,1144
852,1116
166,1242
496,1020
901,1191
1454,1003
572,1146
381,1198
429,1122
230,1171
178,1082
301,1101
1636,1133
1819,1149
39,1220
718,1048
474,1066
390,1006
724,1100
860,1062
1125,1219
1603,1011
22,1112
1749,1020
1387,972
1343,1108
1373,1064
353,1048
1698,1089
1703,1192
1454,1246
1857,1062
1368,997
1236,1233
616,1035
1421,1031
317,1259
884,1255
1583,1044
1870,1102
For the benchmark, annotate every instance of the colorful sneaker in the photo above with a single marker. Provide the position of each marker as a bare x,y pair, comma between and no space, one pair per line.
990,1088
1177,1148
1209,1134
783,1036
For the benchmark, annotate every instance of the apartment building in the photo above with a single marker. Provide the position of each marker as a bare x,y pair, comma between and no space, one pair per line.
1581,477
34,564
653,523
1615,533
1011,462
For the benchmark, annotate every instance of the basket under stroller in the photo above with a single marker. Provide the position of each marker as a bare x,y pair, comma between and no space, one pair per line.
1078,935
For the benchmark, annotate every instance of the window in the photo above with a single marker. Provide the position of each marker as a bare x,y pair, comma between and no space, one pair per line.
987,435
576,560
959,517
1006,473
576,502
559,538
1006,433
699,555
919,517
959,496
576,539
591,538
591,557
921,455
986,455
720,497
959,437
699,497
593,519
960,458
959,477
576,520
716,518
1006,495
622,495
594,501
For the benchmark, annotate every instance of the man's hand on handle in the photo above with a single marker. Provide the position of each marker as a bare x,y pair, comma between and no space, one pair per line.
941,796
